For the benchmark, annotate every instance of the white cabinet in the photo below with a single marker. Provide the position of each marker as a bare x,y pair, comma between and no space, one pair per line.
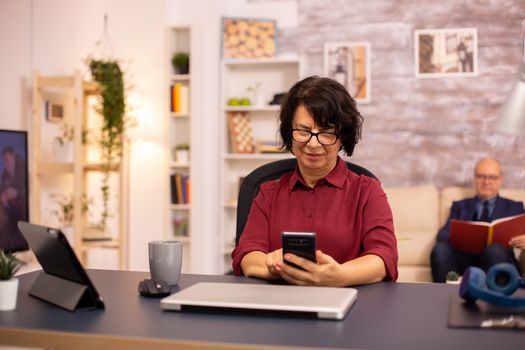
257,81
179,143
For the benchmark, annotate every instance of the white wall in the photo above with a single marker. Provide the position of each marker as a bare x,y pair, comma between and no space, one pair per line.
15,51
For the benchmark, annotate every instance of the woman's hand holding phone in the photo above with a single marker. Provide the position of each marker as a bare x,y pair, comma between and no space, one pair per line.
301,244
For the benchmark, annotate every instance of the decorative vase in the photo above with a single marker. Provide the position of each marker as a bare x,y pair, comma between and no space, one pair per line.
8,294
63,152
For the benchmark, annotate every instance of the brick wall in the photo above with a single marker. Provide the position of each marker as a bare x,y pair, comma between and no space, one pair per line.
424,130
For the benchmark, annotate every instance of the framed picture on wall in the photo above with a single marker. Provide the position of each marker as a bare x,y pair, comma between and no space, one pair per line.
248,38
446,52
54,111
349,64
14,191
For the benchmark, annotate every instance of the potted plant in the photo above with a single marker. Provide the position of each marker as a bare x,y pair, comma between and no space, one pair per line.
181,62
112,108
64,212
9,264
182,153
63,145
453,277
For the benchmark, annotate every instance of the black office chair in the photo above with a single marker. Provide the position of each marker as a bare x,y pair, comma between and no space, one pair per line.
274,170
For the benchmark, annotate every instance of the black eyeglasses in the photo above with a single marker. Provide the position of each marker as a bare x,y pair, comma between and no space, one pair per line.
483,177
324,138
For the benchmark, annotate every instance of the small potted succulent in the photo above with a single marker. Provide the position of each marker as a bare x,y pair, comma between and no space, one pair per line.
9,264
453,277
181,62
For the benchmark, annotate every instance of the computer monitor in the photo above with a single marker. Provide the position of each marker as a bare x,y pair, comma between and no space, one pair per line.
14,189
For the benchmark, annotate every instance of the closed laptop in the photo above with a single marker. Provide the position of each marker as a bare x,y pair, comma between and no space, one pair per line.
322,302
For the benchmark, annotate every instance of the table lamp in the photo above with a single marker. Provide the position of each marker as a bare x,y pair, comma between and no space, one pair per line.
513,117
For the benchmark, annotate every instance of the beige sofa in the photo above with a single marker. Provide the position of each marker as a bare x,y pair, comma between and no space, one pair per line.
419,212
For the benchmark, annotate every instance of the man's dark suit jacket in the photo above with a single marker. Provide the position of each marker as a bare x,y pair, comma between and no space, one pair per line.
465,210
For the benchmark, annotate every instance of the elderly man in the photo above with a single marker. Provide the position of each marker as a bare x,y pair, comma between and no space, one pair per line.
486,206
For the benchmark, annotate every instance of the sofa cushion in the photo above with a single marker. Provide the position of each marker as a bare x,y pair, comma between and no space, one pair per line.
414,273
415,211
414,247
414,208
449,195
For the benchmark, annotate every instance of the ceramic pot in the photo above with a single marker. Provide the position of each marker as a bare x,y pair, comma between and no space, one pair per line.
182,156
63,152
8,294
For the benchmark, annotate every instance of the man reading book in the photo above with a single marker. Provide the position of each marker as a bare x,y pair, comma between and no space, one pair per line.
486,206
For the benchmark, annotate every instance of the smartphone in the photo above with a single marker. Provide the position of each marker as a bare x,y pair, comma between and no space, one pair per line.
299,243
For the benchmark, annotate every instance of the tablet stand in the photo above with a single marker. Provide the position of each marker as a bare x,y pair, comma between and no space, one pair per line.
61,292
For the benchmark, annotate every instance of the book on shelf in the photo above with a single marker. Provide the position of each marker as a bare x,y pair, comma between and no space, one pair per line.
178,183
188,190
473,236
268,146
173,189
179,98
180,188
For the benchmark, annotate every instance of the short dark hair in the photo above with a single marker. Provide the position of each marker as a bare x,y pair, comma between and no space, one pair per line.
330,105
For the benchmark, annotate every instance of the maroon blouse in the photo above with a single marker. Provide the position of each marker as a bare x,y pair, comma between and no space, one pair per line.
349,213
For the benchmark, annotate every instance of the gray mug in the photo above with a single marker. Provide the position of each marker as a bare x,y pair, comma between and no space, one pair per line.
165,260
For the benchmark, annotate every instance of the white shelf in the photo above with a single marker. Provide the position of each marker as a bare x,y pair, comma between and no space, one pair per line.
180,207
178,131
261,61
180,77
182,115
238,78
175,165
183,239
231,204
268,108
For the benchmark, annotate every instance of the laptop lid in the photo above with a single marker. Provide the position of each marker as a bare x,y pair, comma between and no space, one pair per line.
323,302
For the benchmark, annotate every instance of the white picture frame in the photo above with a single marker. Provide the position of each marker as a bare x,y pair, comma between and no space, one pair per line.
349,63
451,52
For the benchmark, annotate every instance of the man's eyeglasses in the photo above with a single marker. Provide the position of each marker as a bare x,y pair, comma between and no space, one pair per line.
483,177
324,138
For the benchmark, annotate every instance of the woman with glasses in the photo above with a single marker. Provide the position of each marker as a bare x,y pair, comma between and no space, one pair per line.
349,213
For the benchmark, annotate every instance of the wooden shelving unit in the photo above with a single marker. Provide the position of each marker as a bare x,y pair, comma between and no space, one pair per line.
76,96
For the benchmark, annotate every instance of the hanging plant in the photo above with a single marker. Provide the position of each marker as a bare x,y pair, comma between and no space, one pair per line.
111,107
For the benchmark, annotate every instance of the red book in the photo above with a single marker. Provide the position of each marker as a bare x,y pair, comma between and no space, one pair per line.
473,236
